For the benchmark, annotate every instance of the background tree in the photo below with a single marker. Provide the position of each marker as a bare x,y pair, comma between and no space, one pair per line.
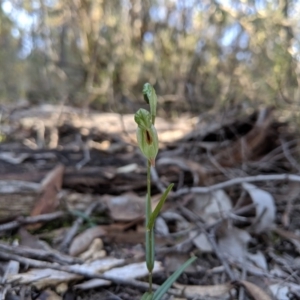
198,54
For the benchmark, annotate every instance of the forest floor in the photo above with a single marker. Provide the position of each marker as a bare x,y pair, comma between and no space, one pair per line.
72,200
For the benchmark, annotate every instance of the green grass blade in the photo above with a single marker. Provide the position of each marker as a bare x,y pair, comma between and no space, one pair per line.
167,284
158,207
147,296
85,217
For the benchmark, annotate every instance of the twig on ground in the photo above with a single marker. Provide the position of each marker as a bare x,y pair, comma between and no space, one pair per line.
241,288
156,180
244,209
54,256
3,292
272,154
182,247
272,157
240,200
288,155
215,163
18,186
181,233
143,286
234,215
32,220
211,238
251,269
181,163
287,267
258,219
234,181
73,230
86,156
113,296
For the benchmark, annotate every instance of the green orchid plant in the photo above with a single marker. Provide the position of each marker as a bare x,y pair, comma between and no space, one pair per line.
148,143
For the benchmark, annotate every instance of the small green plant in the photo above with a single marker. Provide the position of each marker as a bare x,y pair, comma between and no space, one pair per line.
148,142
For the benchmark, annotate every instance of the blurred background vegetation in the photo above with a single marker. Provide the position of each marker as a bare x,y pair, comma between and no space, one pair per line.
198,54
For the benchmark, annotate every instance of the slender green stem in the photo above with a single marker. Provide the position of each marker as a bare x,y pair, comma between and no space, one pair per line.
149,232
149,186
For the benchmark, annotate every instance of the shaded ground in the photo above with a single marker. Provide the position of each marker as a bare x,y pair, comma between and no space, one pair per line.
72,188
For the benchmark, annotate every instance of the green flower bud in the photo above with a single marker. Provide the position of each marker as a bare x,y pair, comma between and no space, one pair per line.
143,118
146,135
151,98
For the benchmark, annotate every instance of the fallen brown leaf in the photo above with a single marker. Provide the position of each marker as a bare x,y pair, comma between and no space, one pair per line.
84,240
48,295
48,202
256,292
29,240
126,207
192,291
249,146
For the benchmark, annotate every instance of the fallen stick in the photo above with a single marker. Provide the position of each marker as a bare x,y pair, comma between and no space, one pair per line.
234,181
32,220
40,254
75,269
75,227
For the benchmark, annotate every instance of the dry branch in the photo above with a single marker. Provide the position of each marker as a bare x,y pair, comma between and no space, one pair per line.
75,269
32,220
235,181
40,254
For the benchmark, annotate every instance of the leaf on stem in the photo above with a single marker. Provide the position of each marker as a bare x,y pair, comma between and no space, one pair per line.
158,207
147,296
167,284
